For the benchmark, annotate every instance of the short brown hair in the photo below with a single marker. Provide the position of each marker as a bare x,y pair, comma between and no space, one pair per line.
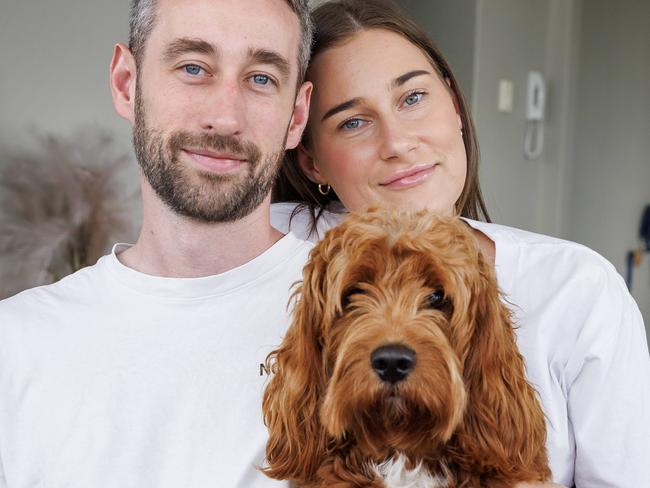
142,19
335,22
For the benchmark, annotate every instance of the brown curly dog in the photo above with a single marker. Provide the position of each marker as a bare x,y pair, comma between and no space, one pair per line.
400,368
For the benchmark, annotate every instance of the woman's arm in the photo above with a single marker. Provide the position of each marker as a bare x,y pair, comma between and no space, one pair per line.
608,390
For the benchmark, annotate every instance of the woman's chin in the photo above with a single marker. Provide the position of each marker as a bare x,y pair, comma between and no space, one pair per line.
419,198
411,203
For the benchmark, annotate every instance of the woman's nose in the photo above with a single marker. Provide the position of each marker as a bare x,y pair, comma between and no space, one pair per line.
397,140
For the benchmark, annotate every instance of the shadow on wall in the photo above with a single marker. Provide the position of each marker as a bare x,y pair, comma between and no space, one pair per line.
61,207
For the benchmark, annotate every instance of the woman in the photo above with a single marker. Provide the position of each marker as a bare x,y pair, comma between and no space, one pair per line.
389,124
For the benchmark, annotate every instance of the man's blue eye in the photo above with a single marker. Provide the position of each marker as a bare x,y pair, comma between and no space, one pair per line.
193,69
352,124
261,79
413,98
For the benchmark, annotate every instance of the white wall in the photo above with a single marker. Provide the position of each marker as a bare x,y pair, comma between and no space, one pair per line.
54,59
511,41
611,174
452,26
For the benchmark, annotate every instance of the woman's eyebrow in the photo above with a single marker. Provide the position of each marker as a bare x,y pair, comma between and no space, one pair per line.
397,82
341,107
400,80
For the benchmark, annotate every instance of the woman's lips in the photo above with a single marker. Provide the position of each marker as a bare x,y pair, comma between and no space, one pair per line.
409,177
215,162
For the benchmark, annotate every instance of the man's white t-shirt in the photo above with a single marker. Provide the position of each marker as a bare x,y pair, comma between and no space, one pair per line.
584,344
113,378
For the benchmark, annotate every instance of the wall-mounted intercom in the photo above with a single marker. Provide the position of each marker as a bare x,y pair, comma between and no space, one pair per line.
535,105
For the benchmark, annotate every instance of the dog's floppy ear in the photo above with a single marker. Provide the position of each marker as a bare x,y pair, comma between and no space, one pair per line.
297,440
503,425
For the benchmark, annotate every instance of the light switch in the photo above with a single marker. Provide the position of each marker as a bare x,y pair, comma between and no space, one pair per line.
506,89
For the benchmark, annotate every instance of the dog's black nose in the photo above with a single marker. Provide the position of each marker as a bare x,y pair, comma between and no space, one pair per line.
393,362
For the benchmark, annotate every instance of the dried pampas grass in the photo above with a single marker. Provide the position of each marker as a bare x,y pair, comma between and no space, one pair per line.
60,209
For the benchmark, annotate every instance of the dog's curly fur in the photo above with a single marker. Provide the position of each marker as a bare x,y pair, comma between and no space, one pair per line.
466,411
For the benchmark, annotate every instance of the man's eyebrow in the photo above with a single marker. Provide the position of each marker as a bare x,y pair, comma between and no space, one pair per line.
400,80
264,56
341,107
184,45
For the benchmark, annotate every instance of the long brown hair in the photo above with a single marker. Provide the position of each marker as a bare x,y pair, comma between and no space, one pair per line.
335,22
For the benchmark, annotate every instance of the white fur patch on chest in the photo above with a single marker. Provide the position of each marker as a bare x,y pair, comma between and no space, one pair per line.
395,474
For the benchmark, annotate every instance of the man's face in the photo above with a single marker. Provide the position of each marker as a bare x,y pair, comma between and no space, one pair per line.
214,101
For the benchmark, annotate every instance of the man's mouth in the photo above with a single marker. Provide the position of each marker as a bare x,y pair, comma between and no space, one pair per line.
215,161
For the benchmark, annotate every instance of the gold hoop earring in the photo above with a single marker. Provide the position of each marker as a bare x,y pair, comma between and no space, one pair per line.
325,191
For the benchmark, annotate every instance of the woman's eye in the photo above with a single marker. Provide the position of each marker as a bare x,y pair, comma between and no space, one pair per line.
352,124
193,69
413,98
261,80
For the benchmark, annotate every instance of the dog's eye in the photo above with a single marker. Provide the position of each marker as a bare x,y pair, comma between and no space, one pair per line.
347,296
436,299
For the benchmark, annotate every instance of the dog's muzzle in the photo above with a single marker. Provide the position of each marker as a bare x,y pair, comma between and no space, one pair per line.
393,362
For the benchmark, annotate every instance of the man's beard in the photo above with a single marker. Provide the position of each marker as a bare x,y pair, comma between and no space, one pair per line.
214,197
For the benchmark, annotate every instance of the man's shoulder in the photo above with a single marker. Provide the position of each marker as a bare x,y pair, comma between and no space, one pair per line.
44,302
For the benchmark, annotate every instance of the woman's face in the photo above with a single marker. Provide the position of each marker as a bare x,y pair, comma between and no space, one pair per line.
384,126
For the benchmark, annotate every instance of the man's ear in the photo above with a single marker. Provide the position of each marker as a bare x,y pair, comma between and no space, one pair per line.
299,116
308,166
123,78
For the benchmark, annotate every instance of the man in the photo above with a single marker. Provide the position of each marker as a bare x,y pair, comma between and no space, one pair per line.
144,370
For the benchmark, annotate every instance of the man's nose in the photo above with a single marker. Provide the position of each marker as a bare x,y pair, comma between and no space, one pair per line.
393,362
223,110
